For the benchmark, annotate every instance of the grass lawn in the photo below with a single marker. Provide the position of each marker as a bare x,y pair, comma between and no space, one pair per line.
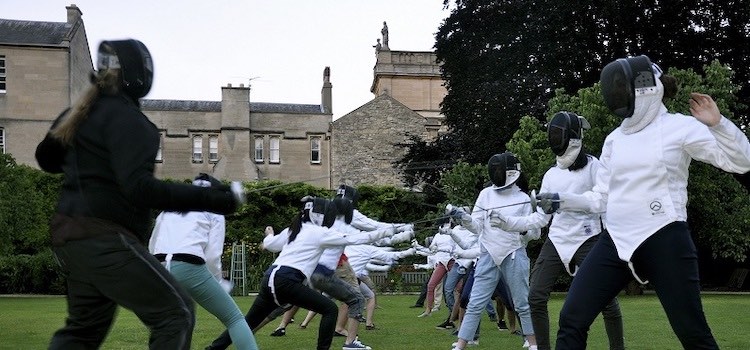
28,323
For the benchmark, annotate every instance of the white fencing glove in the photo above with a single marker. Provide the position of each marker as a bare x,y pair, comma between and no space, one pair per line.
498,220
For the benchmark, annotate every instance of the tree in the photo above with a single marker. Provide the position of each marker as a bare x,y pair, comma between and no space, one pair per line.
502,60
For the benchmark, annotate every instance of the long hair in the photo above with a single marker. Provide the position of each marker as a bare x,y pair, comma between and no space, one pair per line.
296,225
105,83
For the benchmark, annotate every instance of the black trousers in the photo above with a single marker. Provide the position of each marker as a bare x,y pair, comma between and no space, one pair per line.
289,289
115,269
668,259
547,268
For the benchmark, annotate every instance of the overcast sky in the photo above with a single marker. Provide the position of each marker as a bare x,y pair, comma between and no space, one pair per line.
281,46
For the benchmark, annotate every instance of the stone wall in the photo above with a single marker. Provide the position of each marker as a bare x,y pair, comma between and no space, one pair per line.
364,142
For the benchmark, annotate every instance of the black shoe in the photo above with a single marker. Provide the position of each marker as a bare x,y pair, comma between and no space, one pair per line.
361,319
416,307
446,325
338,334
371,327
501,325
493,318
279,332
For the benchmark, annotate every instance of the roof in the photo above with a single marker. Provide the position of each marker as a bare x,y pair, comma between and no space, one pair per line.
215,106
33,32
181,105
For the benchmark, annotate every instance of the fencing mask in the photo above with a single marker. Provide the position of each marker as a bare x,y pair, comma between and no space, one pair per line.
565,136
320,211
133,60
344,209
349,193
504,170
205,180
624,79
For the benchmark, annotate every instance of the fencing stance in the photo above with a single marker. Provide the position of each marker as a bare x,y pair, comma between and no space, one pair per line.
642,186
191,244
106,147
572,234
285,281
503,254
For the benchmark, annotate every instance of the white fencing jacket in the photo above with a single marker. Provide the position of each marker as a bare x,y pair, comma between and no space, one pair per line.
198,233
569,229
494,240
642,179
304,252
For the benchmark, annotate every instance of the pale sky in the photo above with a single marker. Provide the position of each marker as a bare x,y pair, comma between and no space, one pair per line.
281,46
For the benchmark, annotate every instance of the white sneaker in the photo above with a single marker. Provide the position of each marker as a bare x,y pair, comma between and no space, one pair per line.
424,314
470,342
525,343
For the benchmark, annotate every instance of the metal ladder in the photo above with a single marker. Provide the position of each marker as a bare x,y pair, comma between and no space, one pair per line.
238,270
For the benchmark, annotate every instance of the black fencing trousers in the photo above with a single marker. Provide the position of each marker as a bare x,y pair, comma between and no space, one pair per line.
547,268
115,269
289,288
667,259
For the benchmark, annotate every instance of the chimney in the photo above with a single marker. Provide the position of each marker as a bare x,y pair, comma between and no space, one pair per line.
235,107
74,14
326,99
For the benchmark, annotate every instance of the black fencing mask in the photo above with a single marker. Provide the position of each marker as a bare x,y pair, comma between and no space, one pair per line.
349,193
344,209
320,211
504,170
133,60
563,127
624,79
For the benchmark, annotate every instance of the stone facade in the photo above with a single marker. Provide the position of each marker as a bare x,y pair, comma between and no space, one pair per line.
44,73
365,141
48,66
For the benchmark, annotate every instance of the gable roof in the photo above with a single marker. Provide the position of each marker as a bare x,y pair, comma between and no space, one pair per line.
355,113
33,33
215,106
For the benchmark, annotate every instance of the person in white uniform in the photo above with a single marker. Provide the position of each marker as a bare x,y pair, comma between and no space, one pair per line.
190,245
286,281
503,253
572,234
641,184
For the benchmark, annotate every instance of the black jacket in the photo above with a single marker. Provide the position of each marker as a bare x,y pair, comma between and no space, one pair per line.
109,171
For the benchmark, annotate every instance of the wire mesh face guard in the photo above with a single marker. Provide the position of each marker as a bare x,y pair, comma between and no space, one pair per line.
624,79
504,169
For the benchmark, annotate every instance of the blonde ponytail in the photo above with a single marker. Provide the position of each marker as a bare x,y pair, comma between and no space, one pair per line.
106,82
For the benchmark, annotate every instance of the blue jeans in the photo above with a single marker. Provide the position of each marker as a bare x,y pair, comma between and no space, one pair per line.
207,292
514,270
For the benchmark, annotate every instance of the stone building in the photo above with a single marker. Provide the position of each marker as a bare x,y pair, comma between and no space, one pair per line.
45,66
408,91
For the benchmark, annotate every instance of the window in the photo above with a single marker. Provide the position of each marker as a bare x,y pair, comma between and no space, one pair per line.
213,148
159,158
315,150
2,140
197,149
259,149
2,74
273,155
